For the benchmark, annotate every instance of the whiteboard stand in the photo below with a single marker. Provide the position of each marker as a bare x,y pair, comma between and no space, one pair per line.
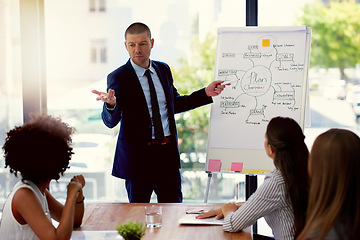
250,185
207,187
250,188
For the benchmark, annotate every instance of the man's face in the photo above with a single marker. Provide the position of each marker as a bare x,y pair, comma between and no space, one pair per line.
139,47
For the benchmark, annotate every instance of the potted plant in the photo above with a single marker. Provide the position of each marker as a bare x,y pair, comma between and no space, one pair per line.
131,230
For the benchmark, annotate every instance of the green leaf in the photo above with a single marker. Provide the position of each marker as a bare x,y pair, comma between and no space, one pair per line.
131,230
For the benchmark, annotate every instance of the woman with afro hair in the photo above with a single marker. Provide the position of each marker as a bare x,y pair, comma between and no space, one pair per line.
40,151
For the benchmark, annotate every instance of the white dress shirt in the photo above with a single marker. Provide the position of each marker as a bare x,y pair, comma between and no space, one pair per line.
140,72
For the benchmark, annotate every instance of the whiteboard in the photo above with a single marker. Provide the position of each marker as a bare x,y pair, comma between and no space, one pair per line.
266,69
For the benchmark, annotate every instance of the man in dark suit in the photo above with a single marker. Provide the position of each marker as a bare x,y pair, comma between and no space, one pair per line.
147,158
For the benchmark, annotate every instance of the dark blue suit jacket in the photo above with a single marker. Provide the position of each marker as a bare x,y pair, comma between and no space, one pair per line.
131,159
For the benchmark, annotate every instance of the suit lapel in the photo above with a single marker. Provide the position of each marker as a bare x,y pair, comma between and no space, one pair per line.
164,82
136,91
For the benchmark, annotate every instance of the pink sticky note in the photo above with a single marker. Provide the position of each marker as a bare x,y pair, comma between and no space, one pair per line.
236,166
214,165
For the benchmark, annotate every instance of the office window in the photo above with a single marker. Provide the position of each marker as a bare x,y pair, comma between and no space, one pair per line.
185,35
185,38
11,113
102,6
98,51
103,55
97,5
92,7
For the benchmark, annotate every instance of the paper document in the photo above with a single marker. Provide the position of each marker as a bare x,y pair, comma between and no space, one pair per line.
190,219
95,235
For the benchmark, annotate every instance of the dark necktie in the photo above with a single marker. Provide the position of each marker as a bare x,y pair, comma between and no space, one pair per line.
156,118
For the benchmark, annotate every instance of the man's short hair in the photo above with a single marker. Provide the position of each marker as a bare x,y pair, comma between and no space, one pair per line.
137,28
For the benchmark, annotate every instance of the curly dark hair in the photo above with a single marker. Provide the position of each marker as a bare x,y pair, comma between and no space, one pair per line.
40,150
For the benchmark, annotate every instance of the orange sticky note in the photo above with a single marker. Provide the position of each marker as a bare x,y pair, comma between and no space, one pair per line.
236,166
266,42
214,165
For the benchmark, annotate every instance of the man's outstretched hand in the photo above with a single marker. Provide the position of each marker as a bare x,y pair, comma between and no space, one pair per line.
108,98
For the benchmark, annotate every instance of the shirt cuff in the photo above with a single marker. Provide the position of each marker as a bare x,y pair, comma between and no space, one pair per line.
110,108
227,226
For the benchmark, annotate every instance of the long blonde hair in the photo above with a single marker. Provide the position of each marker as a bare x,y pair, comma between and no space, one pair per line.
335,185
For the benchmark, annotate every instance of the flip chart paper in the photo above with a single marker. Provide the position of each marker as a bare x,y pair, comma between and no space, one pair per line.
265,72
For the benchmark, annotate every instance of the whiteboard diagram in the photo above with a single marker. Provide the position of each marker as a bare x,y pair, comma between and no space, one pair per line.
264,73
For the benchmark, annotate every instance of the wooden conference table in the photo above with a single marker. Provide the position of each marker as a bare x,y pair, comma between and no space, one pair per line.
105,216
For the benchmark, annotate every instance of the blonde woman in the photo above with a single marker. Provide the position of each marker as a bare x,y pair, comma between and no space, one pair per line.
334,197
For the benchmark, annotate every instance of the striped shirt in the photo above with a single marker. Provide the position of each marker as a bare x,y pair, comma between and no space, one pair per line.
268,201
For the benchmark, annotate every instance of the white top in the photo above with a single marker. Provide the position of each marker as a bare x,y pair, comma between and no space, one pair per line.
268,201
10,228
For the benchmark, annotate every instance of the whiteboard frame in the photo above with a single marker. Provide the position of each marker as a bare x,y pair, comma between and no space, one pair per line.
252,157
